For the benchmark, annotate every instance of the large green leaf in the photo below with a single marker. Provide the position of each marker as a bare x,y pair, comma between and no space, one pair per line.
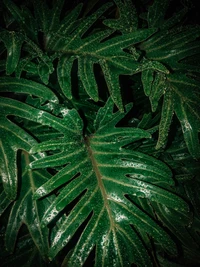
14,138
102,173
172,43
71,43
48,19
20,212
109,54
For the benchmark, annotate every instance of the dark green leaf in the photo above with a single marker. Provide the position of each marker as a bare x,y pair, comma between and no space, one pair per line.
108,54
13,42
24,18
24,86
166,118
127,21
171,46
156,13
4,202
100,171
25,255
13,138
20,212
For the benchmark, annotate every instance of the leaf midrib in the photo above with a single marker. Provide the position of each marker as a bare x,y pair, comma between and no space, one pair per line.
99,180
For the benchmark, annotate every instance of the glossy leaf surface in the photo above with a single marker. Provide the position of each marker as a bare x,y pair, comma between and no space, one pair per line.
14,138
101,171
81,182
20,214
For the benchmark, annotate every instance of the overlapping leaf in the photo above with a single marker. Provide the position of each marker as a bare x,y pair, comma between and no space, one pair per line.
24,18
19,214
181,96
128,19
156,13
14,138
112,192
172,46
99,171
172,42
92,50
13,43
27,255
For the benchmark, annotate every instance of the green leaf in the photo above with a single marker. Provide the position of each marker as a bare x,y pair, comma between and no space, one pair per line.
171,46
101,172
108,54
13,43
166,118
24,86
187,109
44,70
67,24
180,97
26,254
42,15
147,80
174,20
156,13
13,138
157,90
24,18
127,21
4,202
20,212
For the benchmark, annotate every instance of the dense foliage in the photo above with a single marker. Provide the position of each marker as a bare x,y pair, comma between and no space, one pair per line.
99,133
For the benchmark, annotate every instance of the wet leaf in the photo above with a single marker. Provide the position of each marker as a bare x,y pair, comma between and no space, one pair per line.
127,20
13,137
13,43
93,50
19,214
100,172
